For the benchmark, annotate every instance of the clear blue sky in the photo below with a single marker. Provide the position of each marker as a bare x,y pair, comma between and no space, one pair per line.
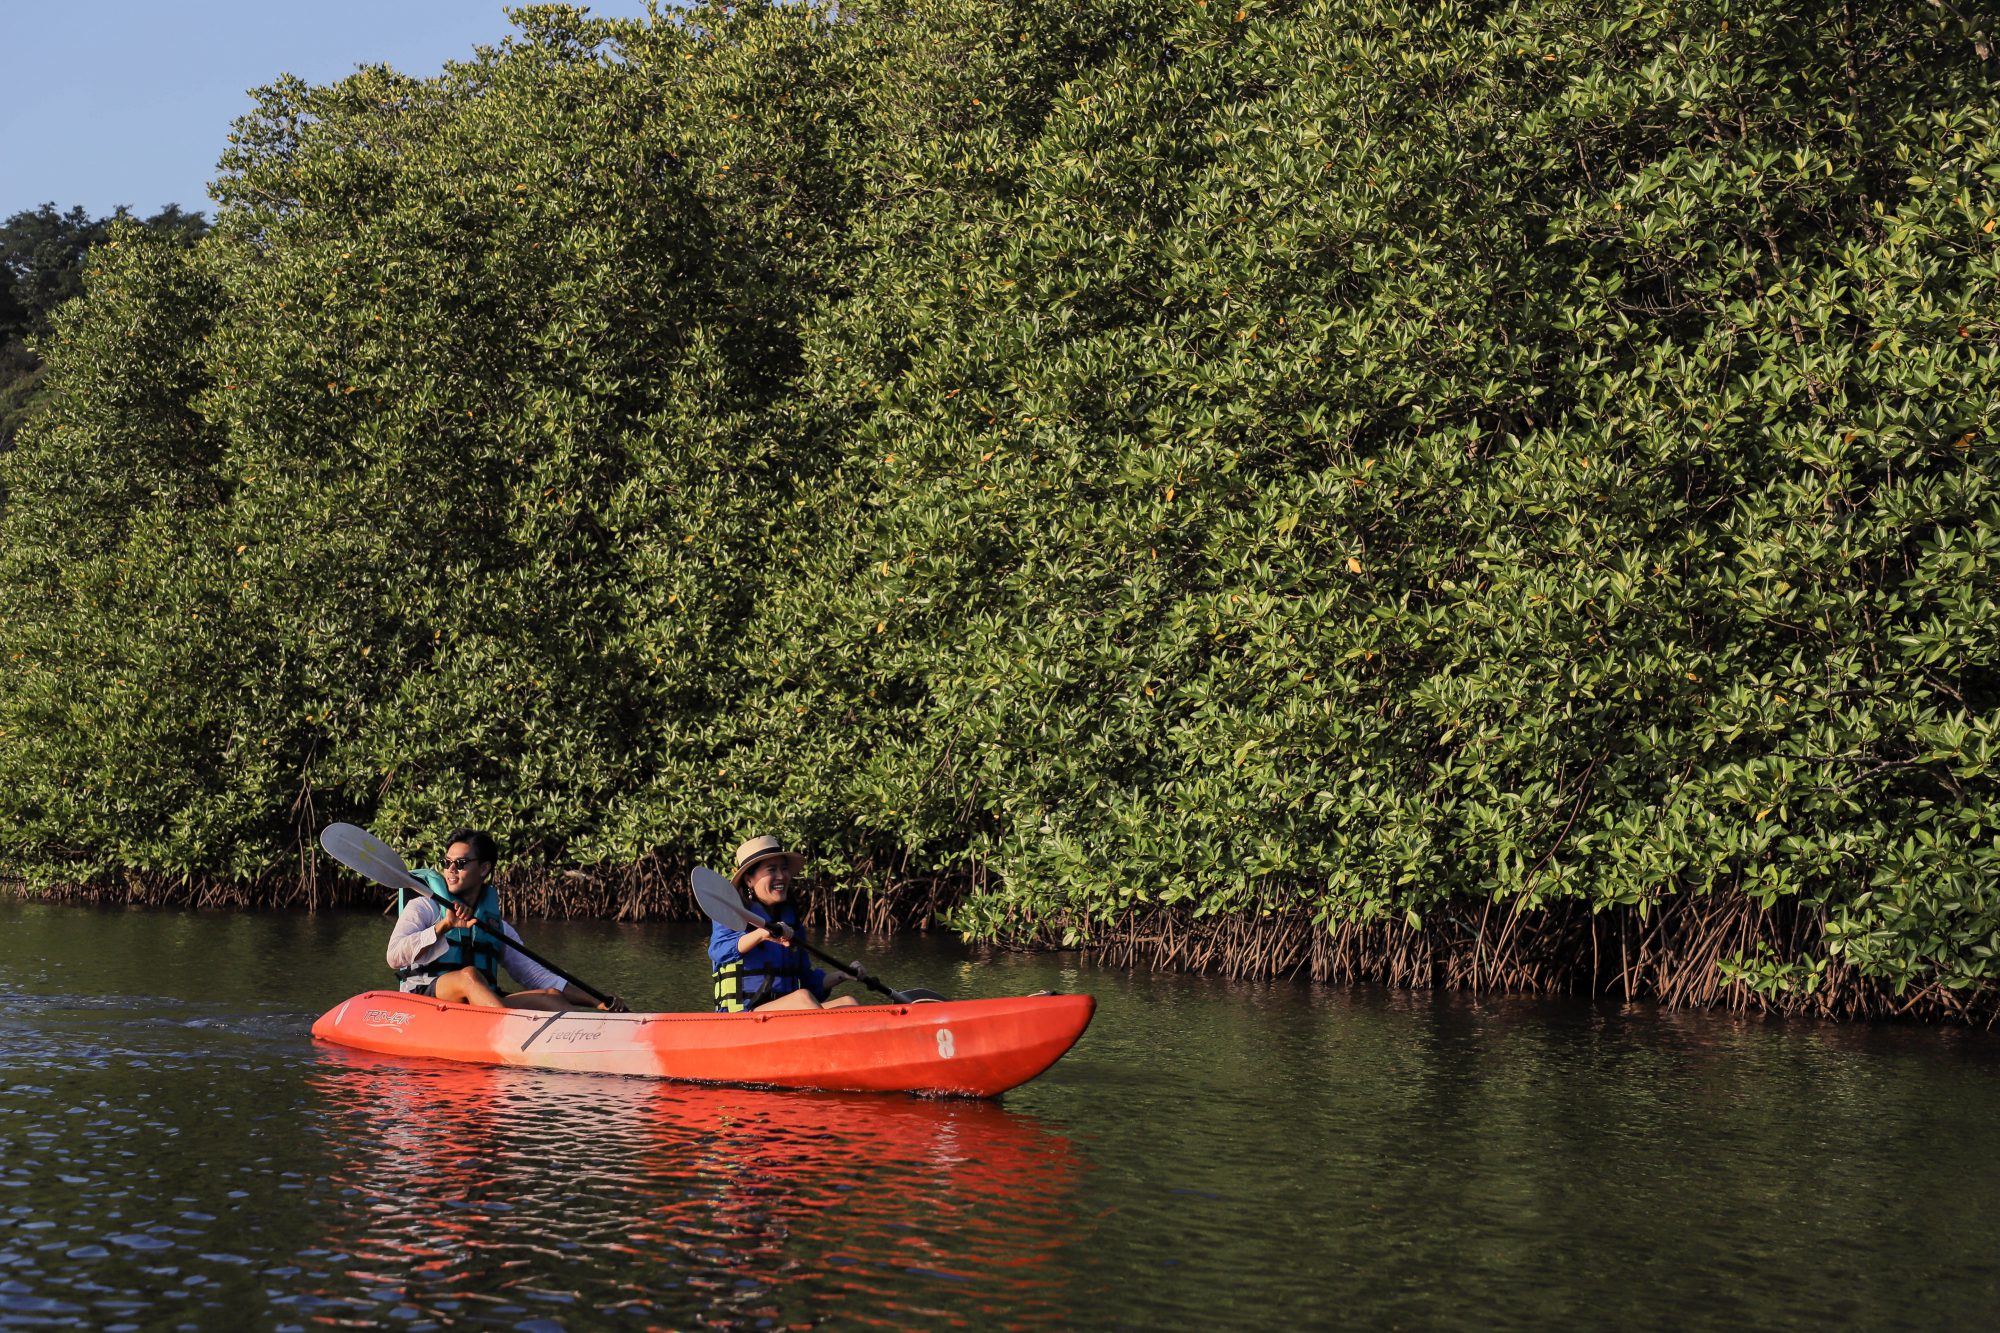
108,102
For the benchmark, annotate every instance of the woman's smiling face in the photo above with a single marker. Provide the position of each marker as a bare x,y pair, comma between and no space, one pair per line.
771,883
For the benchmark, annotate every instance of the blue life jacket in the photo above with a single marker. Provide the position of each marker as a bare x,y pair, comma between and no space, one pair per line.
479,946
746,980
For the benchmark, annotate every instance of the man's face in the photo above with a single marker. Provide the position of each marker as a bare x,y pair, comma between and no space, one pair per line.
464,876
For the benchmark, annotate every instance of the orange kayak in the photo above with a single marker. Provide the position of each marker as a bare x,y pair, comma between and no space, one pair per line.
951,1048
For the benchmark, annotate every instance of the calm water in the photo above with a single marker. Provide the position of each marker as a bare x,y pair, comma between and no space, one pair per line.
176,1152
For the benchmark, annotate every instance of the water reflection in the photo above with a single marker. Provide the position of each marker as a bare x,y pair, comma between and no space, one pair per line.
513,1193
175,1151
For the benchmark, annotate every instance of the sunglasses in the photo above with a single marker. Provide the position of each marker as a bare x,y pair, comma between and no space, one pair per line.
461,862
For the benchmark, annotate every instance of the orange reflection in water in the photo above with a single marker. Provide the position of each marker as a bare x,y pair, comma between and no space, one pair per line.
605,1201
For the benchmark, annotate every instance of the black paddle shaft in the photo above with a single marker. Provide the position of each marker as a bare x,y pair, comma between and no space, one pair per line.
868,980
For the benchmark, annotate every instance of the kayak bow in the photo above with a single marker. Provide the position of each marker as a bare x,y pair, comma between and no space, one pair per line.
954,1048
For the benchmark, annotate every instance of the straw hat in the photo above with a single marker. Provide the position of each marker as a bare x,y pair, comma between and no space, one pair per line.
759,850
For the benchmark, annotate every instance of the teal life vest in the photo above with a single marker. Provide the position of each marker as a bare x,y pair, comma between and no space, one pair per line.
479,946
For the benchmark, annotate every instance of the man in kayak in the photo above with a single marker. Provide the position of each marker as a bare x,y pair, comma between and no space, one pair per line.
764,968
456,954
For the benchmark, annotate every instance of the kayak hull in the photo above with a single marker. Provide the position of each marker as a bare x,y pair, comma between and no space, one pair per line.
952,1048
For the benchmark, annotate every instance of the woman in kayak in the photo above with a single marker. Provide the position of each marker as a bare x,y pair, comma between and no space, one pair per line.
456,953
763,968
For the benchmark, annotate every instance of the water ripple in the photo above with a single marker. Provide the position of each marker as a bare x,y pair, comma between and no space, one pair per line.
482,1182
174,1150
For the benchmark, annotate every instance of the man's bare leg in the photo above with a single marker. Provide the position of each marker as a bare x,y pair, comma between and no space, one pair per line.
466,986
546,1001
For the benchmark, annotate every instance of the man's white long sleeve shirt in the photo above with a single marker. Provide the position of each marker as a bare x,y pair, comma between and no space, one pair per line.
419,939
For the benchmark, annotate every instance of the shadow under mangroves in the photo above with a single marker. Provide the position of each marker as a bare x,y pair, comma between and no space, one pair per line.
510,1192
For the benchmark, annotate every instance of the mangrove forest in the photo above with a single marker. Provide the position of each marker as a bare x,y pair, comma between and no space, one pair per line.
1494,494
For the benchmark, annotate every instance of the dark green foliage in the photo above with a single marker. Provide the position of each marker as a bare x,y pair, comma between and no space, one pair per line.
41,266
1355,461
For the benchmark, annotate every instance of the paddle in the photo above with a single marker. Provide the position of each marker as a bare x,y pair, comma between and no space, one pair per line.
367,855
718,898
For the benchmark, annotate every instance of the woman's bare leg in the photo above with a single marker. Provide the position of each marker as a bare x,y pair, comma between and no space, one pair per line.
798,999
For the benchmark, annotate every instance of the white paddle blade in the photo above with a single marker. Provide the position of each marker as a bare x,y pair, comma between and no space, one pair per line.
718,898
365,854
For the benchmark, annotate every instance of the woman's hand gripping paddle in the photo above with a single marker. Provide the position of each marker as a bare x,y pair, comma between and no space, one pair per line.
719,898
368,856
